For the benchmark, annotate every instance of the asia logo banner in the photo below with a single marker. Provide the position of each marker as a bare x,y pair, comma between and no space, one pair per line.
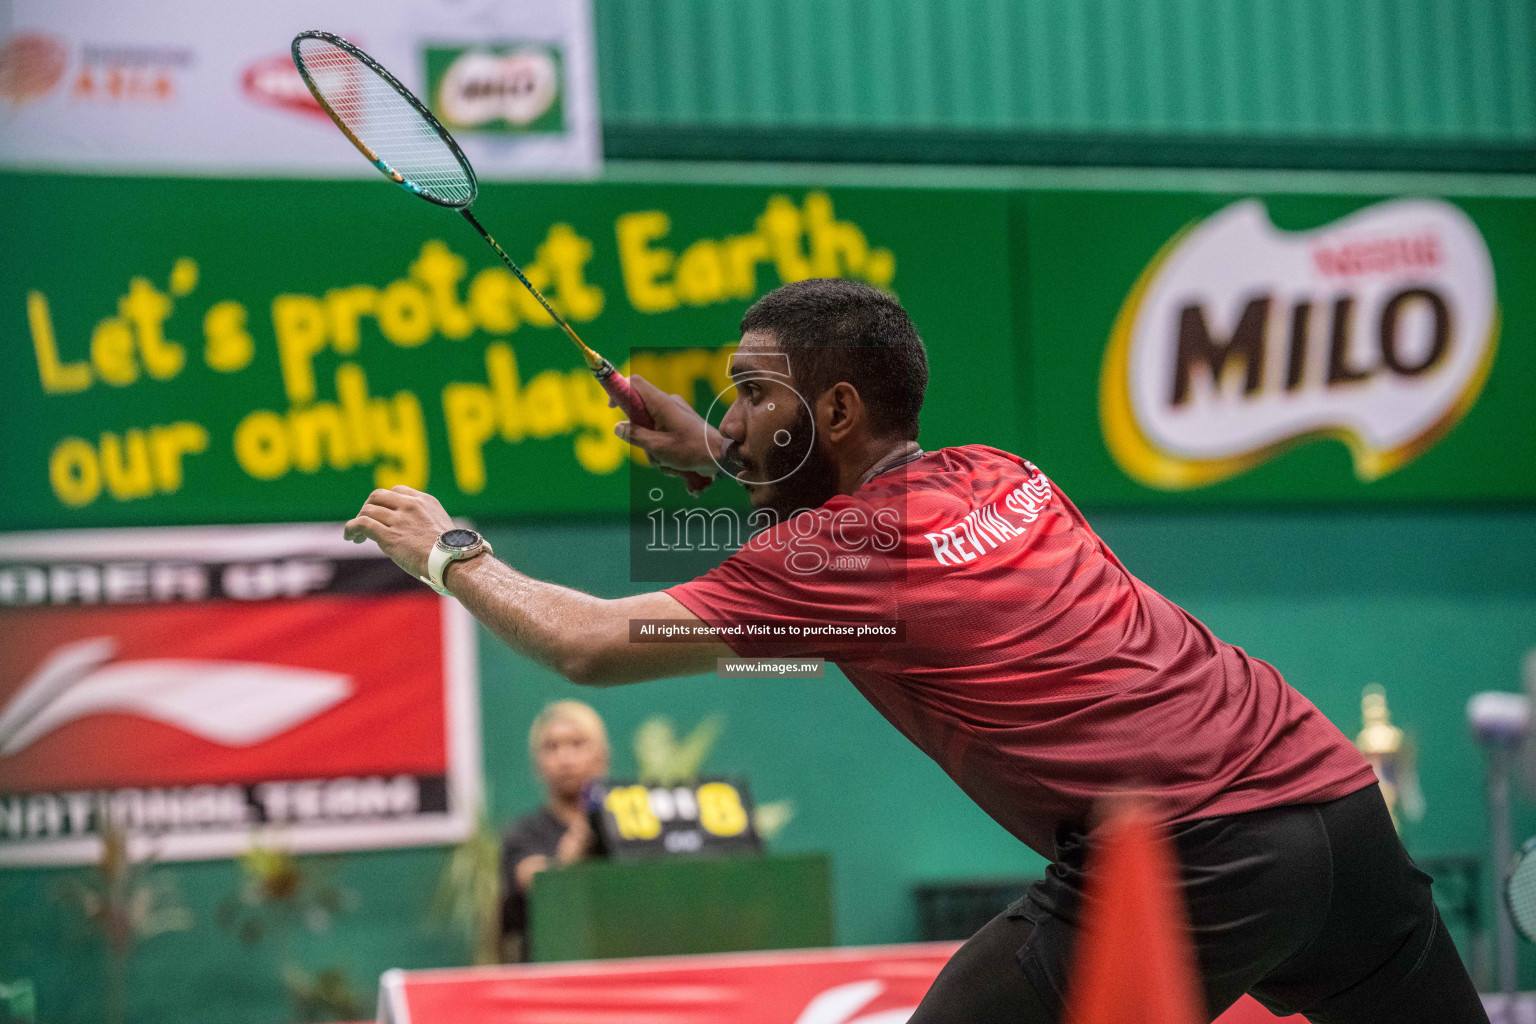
1240,341
203,687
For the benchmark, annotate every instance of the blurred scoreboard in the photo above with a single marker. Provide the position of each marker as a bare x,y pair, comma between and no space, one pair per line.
635,821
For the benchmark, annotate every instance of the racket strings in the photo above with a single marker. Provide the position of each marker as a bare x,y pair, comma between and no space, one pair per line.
1520,891
386,124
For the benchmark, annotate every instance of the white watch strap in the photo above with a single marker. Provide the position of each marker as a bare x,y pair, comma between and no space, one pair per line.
439,559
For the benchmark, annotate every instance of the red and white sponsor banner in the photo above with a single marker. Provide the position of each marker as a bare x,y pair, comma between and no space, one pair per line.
870,985
202,686
187,87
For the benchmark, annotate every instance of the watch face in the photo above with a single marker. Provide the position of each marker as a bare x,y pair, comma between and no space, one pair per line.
459,539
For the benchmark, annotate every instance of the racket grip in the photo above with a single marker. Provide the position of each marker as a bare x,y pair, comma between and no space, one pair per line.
628,399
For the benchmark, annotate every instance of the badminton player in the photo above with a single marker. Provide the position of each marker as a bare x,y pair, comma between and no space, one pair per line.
1032,666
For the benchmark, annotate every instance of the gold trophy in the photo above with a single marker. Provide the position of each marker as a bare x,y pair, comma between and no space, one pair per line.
1391,753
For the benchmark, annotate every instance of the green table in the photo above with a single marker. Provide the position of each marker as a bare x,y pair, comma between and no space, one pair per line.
680,905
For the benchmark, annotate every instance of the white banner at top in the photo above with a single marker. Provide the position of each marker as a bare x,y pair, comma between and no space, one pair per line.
197,87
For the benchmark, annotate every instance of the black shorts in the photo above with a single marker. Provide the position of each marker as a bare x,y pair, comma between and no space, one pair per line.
1314,909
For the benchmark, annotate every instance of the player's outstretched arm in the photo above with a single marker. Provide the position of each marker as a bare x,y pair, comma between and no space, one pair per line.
584,638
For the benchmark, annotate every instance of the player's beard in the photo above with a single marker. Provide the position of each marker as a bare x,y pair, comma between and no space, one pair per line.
805,473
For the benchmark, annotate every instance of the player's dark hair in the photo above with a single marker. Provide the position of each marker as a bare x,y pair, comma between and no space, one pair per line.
843,331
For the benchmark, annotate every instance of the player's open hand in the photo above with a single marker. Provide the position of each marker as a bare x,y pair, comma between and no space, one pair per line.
404,522
681,440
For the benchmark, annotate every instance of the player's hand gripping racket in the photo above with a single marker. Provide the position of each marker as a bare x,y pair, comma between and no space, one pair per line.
395,131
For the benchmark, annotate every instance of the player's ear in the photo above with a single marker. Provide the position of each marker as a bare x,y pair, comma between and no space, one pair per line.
842,411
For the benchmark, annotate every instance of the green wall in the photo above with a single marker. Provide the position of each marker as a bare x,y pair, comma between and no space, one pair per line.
1435,604
1289,83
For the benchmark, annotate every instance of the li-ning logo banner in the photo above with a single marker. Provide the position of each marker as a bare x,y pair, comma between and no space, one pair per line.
1240,341
198,686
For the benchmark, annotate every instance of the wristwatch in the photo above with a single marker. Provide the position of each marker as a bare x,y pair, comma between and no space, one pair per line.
454,546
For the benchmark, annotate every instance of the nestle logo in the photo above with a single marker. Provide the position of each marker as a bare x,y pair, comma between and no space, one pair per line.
275,82
1415,252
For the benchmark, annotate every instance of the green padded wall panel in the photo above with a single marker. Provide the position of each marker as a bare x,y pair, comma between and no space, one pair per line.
989,80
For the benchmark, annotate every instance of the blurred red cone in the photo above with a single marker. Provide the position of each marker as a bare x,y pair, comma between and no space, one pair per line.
1134,962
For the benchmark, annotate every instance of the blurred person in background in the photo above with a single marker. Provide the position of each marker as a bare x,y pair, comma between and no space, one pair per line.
569,747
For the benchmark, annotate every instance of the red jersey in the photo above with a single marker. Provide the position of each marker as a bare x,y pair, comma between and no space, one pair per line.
1034,668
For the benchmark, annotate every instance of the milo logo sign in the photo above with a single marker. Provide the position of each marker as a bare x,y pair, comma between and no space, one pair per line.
505,88
1240,341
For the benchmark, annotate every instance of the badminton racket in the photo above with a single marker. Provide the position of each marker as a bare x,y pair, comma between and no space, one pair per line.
399,136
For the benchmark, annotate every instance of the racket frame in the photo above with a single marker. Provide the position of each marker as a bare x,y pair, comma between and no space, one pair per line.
406,94
618,387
